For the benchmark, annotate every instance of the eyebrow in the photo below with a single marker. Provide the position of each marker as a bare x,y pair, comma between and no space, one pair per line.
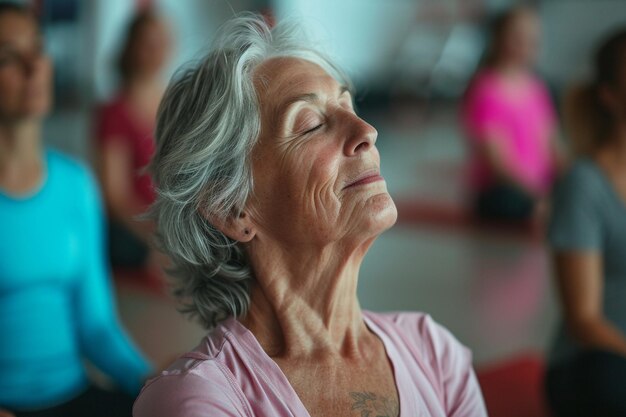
309,98
39,43
279,116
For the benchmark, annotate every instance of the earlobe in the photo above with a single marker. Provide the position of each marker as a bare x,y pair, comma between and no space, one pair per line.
236,227
245,226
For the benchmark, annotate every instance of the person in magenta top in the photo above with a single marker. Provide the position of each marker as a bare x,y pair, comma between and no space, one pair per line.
511,124
269,195
124,129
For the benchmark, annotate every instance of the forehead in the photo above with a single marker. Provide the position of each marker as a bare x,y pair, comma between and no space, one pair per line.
16,27
525,19
280,79
152,25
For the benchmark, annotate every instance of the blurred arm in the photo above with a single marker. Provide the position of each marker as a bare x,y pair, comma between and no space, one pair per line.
580,284
101,337
493,153
559,154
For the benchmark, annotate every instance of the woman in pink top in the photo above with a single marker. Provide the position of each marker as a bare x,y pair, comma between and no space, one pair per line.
269,196
511,123
124,131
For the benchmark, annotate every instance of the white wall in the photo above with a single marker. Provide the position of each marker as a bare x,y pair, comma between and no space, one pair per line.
572,29
193,23
362,35
365,36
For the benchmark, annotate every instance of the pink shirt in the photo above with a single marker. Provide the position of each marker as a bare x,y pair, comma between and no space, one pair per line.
523,122
229,374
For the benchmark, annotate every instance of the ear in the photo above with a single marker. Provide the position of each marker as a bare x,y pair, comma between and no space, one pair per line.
237,227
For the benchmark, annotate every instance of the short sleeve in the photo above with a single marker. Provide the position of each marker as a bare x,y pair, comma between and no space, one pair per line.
576,220
462,394
190,395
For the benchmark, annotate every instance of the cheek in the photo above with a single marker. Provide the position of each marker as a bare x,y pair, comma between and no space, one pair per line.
44,77
11,86
10,80
311,181
299,188
324,170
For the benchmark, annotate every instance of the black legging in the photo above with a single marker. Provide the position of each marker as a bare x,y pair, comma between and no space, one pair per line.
125,248
503,202
94,402
592,384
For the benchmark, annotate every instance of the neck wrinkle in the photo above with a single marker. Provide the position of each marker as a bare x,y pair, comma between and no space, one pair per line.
304,303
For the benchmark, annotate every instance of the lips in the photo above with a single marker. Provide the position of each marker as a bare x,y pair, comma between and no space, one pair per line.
366,177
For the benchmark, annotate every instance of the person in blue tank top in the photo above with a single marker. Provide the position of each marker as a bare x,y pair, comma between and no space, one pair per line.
56,300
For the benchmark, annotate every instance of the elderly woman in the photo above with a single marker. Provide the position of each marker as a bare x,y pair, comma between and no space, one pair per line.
269,196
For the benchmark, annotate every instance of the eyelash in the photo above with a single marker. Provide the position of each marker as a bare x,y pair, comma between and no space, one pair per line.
313,129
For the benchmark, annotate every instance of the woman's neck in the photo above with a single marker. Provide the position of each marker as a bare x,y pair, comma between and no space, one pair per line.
510,69
142,85
20,156
614,152
144,95
305,303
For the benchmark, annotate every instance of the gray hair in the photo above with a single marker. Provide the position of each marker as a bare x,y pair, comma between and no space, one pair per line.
207,126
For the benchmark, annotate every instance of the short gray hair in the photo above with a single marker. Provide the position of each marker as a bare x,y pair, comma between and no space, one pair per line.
207,125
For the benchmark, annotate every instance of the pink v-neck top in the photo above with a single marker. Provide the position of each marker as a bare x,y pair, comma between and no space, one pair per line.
229,374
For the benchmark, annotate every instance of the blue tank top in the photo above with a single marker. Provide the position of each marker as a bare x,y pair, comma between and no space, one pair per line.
56,299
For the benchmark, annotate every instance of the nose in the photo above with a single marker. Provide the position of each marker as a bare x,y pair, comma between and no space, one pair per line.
360,135
31,63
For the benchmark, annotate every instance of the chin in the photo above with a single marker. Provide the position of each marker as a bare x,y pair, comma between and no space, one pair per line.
36,111
383,214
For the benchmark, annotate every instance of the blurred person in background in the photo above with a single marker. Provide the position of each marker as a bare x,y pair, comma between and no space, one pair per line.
587,232
511,124
269,197
56,301
124,130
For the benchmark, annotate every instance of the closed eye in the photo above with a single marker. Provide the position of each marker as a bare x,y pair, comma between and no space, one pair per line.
312,129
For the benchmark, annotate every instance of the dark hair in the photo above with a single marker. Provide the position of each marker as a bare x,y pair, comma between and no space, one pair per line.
18,8
125,61
607,58
498,25
588,121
